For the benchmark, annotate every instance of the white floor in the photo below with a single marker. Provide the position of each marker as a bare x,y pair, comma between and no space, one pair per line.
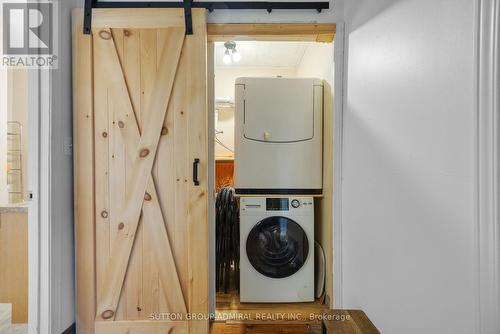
6,326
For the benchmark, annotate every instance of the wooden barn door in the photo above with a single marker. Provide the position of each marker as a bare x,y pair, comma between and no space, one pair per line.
140,131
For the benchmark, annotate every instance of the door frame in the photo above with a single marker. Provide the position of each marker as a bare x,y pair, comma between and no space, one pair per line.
39,227
303,32
487,164
306,32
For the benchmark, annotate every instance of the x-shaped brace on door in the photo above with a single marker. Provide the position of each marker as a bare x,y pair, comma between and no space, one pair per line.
141,194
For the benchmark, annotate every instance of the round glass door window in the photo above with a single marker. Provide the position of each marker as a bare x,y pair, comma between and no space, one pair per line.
277,247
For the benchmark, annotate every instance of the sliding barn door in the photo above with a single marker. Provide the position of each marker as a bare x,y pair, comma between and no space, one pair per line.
141,172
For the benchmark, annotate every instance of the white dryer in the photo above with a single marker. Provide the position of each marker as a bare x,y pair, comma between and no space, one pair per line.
278,136
276,249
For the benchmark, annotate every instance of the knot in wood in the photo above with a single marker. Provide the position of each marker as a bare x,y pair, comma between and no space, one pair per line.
104,34
144,153
108,314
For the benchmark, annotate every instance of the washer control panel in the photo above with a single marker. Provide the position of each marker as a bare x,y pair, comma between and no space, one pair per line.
276,204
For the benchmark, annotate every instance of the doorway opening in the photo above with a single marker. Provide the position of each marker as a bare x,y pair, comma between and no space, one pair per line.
13,200
239,55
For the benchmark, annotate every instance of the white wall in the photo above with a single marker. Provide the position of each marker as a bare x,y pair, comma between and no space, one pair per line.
224,125
317,62
407,206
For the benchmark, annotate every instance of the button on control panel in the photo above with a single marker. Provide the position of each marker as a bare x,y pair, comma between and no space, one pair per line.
295,203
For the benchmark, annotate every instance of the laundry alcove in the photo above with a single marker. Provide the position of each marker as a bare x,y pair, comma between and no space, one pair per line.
278,54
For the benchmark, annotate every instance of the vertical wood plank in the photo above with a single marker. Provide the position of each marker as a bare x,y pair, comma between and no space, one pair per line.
161,38
101,154
117,178
132,67
196,73
150,280
116,154
165,162
179,109
83,133
132,72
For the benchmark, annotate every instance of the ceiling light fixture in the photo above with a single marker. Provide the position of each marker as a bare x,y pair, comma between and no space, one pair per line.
227,58
236,56
231,54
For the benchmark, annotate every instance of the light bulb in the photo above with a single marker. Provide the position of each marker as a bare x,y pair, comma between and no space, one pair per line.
236,56
227,58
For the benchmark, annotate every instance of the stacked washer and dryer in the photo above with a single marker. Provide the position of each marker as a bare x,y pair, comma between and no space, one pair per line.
278,168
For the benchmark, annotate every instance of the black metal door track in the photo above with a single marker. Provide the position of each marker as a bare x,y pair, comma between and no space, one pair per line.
189,4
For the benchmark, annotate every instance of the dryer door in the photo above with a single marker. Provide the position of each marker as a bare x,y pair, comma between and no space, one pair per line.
279,110
277,247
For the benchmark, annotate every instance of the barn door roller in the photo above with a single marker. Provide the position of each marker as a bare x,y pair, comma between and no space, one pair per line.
188,17
188,4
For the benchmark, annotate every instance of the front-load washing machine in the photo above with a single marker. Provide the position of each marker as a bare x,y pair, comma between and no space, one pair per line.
278,136
276,249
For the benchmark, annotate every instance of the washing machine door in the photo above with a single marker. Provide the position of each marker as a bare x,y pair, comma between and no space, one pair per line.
277,247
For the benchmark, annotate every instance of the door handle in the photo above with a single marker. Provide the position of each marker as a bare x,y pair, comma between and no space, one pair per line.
196,164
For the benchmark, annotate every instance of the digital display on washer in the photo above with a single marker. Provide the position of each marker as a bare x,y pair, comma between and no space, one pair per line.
277,204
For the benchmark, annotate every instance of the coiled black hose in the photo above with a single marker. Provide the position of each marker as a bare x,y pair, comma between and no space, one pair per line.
227,241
